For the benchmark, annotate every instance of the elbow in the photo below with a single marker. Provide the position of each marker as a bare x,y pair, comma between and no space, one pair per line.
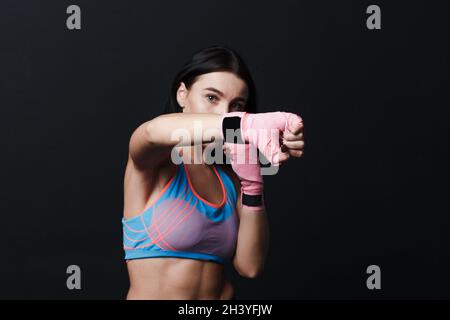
250,274
149,131
250,271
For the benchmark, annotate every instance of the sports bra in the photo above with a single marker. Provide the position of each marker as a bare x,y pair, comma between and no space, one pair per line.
180,223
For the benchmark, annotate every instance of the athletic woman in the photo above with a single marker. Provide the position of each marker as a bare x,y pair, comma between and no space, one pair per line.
185,217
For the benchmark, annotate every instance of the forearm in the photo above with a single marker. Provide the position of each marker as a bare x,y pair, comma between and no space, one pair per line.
184,128
253,243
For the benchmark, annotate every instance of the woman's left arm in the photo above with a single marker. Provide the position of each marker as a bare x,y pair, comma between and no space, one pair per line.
252,243
253,235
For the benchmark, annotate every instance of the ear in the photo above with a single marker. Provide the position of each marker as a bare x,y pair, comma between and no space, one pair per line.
181,94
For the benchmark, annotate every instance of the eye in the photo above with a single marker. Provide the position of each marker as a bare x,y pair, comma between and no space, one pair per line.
238,106
211,98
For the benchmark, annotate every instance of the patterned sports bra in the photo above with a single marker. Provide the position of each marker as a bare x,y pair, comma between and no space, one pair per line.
180,223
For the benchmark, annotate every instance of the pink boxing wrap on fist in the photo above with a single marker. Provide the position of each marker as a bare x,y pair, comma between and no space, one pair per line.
242,134
262,130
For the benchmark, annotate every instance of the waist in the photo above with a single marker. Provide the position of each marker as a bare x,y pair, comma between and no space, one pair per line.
176,278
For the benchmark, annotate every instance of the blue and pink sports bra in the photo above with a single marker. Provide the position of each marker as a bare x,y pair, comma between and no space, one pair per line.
180,223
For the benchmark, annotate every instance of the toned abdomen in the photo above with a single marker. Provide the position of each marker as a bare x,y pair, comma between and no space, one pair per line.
175,278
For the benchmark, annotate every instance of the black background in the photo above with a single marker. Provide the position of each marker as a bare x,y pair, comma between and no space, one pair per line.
371,188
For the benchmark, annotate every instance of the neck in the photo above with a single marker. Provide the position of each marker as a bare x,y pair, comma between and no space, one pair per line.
194,155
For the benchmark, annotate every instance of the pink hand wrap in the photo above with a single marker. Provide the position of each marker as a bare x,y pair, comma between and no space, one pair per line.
257,130
264,130
244,161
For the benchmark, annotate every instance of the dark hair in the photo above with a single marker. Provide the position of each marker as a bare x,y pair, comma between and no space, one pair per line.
212,59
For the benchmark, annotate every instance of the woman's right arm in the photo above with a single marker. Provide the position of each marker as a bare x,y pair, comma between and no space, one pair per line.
152,142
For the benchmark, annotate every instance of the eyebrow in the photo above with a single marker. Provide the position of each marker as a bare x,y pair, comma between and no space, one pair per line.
220,93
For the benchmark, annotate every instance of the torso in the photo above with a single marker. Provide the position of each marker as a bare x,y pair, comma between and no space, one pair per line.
173,278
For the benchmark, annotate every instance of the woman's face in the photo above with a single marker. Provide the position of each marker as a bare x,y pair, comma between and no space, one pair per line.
215,92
